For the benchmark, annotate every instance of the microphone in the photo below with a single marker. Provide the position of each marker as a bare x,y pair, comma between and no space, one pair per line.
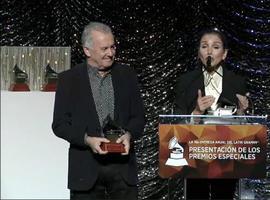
208,62
209,68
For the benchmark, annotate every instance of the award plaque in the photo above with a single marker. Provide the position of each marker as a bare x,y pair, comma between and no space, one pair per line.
51,78
20,79
112,146
112,132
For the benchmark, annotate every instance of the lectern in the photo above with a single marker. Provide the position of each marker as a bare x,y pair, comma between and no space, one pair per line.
206,146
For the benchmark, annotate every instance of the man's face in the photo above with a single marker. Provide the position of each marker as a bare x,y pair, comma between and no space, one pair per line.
102,52
211,45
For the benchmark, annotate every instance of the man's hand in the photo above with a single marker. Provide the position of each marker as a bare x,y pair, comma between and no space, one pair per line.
95,142
125,140
203,103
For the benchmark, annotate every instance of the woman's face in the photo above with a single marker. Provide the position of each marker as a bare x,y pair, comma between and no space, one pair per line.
211,45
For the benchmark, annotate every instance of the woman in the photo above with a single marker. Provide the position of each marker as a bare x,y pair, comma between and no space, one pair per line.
204,90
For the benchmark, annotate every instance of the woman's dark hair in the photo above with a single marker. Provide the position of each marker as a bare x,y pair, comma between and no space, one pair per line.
213,31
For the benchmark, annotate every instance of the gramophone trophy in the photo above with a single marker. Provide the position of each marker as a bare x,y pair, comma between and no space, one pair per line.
51,78
20,79
112,132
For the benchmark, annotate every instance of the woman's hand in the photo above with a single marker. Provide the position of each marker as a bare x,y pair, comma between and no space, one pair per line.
242,103
203,102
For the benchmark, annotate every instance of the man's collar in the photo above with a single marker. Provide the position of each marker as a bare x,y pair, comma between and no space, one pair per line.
96,71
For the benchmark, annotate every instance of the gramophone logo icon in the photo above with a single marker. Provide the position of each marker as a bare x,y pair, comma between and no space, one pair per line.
176,154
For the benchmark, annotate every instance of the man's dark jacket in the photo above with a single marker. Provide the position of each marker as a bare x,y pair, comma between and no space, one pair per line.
75,115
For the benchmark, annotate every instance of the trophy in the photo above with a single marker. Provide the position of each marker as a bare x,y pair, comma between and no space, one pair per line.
51,78
112,131
20,79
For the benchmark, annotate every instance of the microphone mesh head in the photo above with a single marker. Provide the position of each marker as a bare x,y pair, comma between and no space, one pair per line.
208,61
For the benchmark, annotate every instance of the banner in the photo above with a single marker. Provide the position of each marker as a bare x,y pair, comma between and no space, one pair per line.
212,151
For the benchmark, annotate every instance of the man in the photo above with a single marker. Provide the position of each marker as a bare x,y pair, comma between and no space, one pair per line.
86,95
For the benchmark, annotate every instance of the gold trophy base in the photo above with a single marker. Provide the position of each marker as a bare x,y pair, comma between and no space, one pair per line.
113,147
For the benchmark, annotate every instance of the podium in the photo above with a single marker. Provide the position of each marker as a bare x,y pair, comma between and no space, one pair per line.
206,146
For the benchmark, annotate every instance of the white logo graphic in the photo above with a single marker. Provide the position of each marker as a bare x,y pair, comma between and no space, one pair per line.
177,154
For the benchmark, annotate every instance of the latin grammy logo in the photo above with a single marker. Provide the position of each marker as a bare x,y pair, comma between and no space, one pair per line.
177,154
